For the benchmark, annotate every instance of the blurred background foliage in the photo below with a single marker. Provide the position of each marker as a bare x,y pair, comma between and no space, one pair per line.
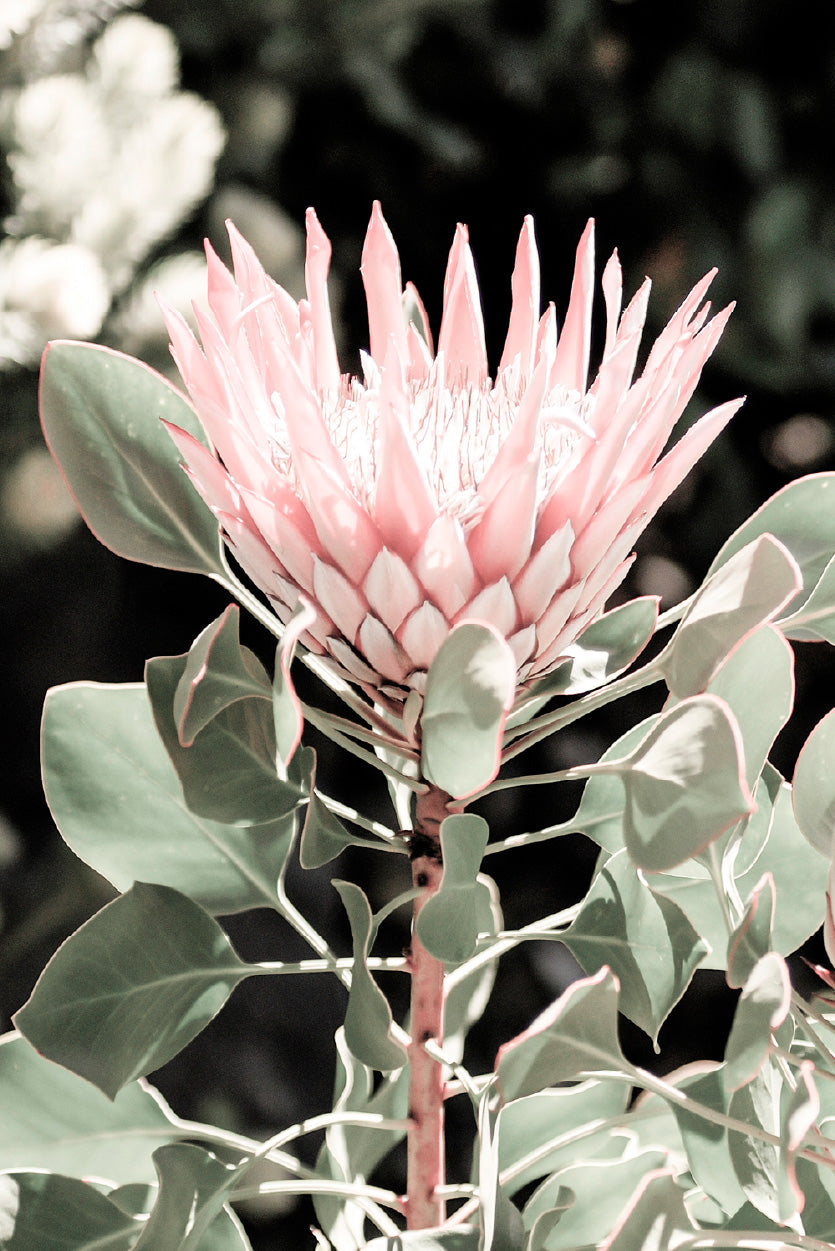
697,133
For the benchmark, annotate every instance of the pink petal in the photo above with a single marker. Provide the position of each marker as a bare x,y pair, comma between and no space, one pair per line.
494,605
224,296
461,339
250,550
316,265
501,541
591,545
339,598
391,589
602,580
240,382
442,565
380,269
545,574
522,644
422,635
343,527
672,332
571,363
382,650
616,409
678,462
648,440
250,274
284,524
546,336
524,312
206,472
354,668
404,506
518,448
612,284
551,622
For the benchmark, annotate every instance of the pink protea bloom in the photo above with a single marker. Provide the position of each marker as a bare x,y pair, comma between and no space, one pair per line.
428,493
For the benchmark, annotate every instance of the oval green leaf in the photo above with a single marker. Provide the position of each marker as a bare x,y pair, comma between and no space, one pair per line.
802,517
119,805
56,1121
368,1018
47,1212
101,414
229,772
448,923
685,783
131,987
814,786
469,692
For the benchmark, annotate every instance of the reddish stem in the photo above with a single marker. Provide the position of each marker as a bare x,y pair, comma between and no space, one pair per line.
426,1169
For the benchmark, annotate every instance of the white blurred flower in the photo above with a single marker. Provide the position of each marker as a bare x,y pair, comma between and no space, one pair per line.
133,63
114,157
47,291
15,16
58,150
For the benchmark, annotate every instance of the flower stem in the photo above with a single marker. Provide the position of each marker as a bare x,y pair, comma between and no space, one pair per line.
425,1207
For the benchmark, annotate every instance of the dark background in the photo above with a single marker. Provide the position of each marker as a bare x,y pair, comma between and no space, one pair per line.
698,134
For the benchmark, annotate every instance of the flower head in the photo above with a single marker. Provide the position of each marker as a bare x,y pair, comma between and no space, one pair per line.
426,492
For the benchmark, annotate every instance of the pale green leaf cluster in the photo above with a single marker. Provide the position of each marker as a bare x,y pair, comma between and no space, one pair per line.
191,791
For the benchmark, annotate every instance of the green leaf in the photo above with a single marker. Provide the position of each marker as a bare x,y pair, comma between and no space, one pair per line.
193,1185
655,1217
530,1129
752,937
131,987
575,1035
467,997
684,783
766,1171
602,1191
56,1121
323,835
448,922
603,651
760,709
288,721
814,786
706,1144
469,692
217,673
771,843
815,621
368,1018
353,1151
462,1238
500,1220
762,1007
645,939
118,804
603,802
229,772
802,517
744,593
101,412
47,1212
225,1233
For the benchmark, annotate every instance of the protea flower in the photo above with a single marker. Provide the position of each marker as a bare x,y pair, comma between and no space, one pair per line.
427,492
